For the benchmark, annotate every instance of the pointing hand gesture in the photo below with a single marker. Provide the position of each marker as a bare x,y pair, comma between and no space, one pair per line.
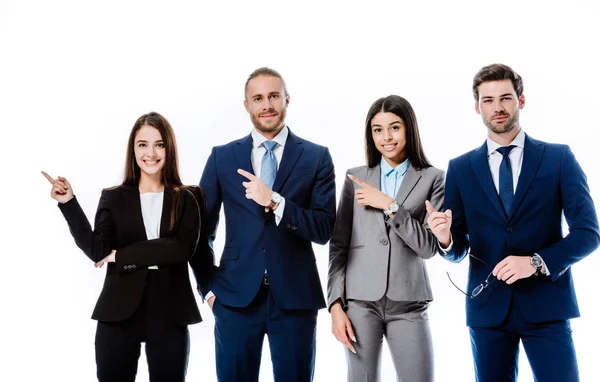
256,189
61,190
368,195
439,223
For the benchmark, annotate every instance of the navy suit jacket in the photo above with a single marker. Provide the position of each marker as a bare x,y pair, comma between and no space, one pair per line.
551,183
253,241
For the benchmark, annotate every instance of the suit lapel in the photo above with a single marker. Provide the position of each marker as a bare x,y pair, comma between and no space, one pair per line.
135,213
409,182
291,153
243,158
374,179
532,158
243,154
165,217
481,167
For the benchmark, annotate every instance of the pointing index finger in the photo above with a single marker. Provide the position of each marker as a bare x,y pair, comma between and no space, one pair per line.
358,181
430,209
246,174
50,179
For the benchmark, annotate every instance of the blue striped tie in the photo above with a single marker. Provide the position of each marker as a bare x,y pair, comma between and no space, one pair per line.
505,183
268,167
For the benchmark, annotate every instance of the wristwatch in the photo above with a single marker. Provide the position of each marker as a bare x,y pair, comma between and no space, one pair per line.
275,200
537,262
393,208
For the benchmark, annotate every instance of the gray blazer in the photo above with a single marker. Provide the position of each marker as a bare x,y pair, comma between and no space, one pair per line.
365,262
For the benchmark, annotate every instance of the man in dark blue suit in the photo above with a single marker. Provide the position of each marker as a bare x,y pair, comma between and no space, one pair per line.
507,199
278,193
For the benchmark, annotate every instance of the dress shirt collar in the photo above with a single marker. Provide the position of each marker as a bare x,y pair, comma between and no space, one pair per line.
258,138
387,169
519,141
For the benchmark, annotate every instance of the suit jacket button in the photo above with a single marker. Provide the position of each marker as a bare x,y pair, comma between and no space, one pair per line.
288,225
397,225
384,241
510,229
263,249
133,266
294,228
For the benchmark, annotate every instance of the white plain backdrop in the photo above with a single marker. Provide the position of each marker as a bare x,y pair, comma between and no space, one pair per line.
75,75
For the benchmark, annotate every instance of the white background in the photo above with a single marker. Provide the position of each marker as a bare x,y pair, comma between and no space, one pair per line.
75,75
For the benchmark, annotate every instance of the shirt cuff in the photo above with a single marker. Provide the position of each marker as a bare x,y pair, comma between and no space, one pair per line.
446,250
279,211
545,271
208,295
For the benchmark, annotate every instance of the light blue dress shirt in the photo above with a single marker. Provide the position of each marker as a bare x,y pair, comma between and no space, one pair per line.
392,177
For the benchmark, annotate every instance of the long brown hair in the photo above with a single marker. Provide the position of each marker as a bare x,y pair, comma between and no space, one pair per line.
402,108
170,171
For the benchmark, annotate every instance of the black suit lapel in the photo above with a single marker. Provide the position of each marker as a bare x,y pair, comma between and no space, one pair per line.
165,217
133,212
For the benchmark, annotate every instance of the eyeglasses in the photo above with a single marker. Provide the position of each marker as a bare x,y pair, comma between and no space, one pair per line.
479,288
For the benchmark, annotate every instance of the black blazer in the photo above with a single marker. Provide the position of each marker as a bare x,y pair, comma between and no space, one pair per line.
119,225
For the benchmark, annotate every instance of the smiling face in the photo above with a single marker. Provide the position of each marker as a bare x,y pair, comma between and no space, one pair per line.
499,107
389,134
149,150
266,102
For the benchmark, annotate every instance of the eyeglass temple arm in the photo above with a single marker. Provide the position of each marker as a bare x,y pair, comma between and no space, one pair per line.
460,290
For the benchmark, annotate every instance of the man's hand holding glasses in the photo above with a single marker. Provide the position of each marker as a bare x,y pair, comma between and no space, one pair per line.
509,270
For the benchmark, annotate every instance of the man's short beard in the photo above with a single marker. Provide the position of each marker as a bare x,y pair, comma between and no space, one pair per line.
280,122
506,127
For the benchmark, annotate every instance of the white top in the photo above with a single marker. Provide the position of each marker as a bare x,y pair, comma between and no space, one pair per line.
152,204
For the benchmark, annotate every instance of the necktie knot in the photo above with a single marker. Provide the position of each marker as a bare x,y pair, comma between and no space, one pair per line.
269,145
505,150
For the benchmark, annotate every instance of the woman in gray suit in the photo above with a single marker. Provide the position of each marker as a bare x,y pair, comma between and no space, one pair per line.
377,283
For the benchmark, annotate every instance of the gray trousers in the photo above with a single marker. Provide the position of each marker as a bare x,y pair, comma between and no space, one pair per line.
404,325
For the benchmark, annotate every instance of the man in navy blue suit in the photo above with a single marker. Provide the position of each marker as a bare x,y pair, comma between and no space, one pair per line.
507,199
278,193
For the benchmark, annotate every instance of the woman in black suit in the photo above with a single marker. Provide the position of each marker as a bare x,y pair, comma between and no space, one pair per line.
146,231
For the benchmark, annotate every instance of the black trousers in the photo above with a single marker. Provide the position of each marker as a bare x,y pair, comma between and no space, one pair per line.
167,344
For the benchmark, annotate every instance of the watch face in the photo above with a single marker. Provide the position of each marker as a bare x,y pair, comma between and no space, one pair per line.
536,261
394,207
276,198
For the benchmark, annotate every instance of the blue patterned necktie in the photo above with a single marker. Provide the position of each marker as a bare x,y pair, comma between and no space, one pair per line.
268,167
505,183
